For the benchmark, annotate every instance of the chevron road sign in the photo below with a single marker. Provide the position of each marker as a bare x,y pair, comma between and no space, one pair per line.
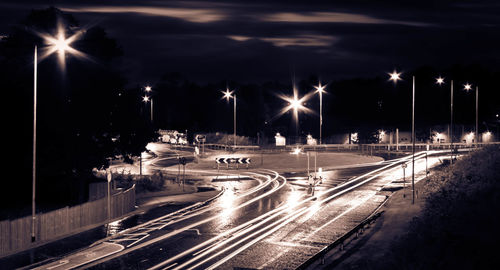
220,160
227,161
243,160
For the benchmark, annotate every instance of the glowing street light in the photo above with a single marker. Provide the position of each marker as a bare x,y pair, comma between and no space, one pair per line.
146,99
61,45
440,81
468,87
228,95
395,76
296,104
320,90
381,136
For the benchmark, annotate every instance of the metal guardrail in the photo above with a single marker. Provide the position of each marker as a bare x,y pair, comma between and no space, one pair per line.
352,147
216,146
340,242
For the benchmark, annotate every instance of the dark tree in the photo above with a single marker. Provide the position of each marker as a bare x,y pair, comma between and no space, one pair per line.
80,114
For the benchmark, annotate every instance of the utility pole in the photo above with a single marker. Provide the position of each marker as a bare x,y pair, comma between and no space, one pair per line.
413,148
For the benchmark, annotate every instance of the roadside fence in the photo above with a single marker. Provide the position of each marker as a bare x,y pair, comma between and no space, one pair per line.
15,235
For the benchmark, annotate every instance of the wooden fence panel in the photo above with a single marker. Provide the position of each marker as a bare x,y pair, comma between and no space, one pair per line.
5,236
15,235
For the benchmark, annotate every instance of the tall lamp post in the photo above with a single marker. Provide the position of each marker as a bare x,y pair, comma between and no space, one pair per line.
395,76
440,81
320,90
146,99
467,88
61,45
227,95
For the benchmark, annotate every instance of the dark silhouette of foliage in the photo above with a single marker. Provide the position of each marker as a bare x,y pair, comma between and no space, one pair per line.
84,116
458,228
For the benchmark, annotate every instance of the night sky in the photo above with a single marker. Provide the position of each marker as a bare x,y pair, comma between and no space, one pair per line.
256,41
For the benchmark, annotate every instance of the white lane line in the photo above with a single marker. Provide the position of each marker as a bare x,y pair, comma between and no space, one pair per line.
265,232
221,235
284,208
196,224
322,227
322,201
61,263
184,216
170,266
210,246
341,215
82,258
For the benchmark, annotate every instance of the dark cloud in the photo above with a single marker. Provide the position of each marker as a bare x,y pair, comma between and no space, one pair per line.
267,40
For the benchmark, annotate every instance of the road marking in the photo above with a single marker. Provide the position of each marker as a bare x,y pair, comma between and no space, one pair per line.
276,186
195,230
61,262
81,258
270,229
290,244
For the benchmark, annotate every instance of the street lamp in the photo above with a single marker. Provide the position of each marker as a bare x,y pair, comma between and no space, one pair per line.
467,88
296,104
228,95
395,76
146,99
440,81
61,45
320,90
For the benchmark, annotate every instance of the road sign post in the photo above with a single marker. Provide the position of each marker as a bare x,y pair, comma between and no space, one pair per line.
404,181
182,161
109,178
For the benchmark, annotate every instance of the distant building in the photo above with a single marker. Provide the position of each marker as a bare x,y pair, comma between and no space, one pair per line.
311,140
487,137
172,137
280,140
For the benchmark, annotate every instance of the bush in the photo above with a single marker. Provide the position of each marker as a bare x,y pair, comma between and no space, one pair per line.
459,223
223,138
149,183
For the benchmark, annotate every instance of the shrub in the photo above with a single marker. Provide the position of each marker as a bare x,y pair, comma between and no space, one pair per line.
459,223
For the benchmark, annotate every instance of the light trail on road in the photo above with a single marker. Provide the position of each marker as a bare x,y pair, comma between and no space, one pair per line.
250,230
145,230
229,242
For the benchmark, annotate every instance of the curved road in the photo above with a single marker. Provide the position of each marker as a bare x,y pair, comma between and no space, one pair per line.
274,222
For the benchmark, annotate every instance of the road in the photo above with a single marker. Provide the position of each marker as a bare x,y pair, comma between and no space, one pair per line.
267,220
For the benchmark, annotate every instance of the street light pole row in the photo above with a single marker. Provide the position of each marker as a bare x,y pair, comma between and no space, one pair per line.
395,76
294,103
147,99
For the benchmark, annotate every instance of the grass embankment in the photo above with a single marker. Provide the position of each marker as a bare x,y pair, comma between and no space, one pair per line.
459,227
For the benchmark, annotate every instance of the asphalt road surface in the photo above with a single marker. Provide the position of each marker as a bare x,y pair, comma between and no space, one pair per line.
266,221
